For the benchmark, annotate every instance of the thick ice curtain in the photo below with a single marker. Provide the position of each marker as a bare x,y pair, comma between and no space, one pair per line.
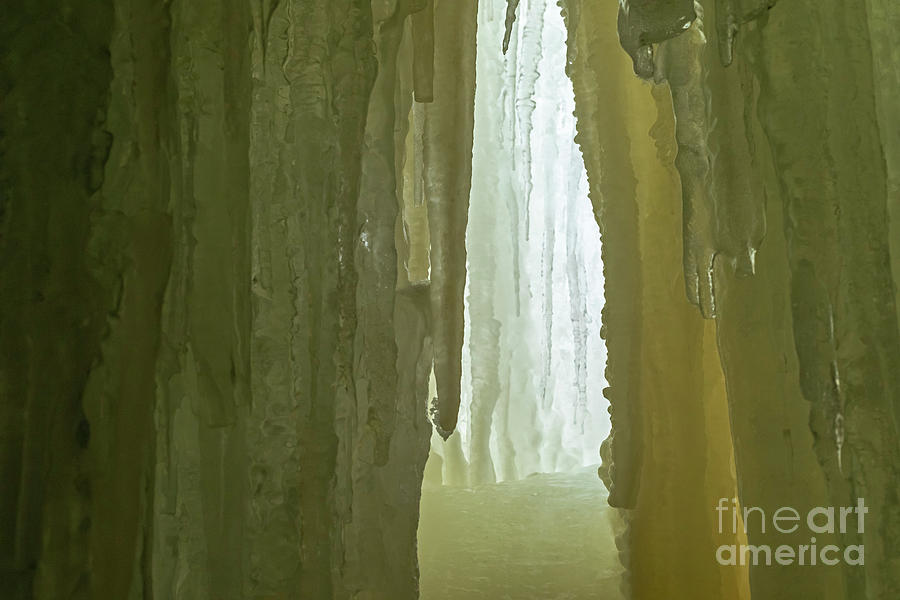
670,445
786,156
217,324
835,190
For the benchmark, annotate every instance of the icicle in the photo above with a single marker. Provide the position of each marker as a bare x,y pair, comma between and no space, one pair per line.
642,24
448,167
530,50
682,67
735,187
511,6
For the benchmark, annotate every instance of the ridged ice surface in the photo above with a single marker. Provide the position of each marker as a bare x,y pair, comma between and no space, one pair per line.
242,340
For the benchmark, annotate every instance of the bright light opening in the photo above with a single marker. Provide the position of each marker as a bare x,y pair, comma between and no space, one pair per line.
512,505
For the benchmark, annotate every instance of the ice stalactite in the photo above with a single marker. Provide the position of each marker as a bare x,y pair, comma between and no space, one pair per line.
529,51
447,174
723,206
643,23
203,374
414,244
511,7
485,245
70,251
504,421
520,74
546,173
737,192
681,65
568,420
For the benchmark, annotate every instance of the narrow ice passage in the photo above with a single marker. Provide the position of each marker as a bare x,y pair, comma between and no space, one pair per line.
533,358
532,415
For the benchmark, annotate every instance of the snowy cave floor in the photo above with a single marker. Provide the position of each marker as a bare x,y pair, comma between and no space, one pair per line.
546,537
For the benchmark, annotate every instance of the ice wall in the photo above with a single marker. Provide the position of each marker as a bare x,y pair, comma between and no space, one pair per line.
669,456
784,148
230,241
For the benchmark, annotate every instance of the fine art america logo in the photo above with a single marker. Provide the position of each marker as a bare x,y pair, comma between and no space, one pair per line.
786,520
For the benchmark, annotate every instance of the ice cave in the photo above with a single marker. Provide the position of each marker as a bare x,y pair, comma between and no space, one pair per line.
450,300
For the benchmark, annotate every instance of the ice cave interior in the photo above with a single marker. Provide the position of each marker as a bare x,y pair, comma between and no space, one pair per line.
565,278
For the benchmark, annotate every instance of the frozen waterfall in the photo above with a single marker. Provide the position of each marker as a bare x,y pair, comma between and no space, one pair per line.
533,358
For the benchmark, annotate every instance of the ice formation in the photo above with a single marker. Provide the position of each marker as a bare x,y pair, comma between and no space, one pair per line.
447,175
779,137
244,277
534,358
233,250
